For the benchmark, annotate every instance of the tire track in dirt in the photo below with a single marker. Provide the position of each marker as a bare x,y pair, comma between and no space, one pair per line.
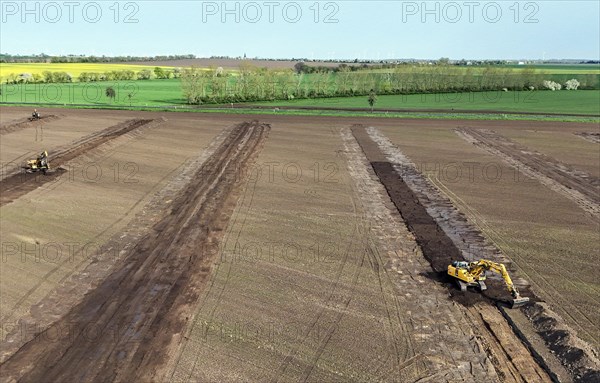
358,232
244,206
397,333
358,243
16,185
146,301
576,185
25,123
249,154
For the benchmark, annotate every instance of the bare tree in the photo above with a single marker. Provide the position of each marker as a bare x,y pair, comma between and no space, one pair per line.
192,83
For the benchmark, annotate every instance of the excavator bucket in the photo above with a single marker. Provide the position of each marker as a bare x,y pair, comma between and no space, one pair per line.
519,302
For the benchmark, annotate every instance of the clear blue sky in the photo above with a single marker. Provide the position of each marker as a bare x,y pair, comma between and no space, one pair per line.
356,29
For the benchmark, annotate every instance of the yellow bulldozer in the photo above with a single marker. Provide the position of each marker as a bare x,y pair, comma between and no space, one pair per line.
472,274
41,163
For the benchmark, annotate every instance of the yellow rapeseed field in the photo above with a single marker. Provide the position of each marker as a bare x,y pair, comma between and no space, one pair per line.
74,69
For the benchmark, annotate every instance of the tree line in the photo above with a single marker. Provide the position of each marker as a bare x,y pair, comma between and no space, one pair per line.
44,58
129,75
52,77
256,84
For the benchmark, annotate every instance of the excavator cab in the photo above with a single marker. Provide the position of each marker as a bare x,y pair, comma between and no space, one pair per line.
35,115
472,274
460,270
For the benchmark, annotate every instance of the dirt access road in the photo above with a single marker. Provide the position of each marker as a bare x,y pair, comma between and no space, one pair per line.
139,307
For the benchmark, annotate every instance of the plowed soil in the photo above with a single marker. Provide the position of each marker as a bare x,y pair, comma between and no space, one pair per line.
25,123
139,308
583,188
590,136
356,302
16,185
575,356
508,355
437,247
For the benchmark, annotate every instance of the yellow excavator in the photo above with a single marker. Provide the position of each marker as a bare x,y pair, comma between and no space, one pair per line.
39,164
472,274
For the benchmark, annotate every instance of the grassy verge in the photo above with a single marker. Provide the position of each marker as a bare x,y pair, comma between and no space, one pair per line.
340,113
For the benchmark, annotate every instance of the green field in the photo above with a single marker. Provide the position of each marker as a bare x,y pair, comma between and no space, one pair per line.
145,93
168,93
548,69
568,102
561,68
165,93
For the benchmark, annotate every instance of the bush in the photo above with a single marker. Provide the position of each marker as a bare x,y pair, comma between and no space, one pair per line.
159,73
552,85
145,74
572,84
56,77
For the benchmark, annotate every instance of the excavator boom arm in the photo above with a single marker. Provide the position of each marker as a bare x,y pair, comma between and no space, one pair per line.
481,266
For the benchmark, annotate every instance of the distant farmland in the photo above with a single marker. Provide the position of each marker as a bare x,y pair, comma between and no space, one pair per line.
74,69
136,86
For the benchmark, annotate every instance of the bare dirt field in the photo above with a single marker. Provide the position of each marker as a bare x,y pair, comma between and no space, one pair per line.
18,184
24,123
233,63
575,184
564,145
549,239
196,247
